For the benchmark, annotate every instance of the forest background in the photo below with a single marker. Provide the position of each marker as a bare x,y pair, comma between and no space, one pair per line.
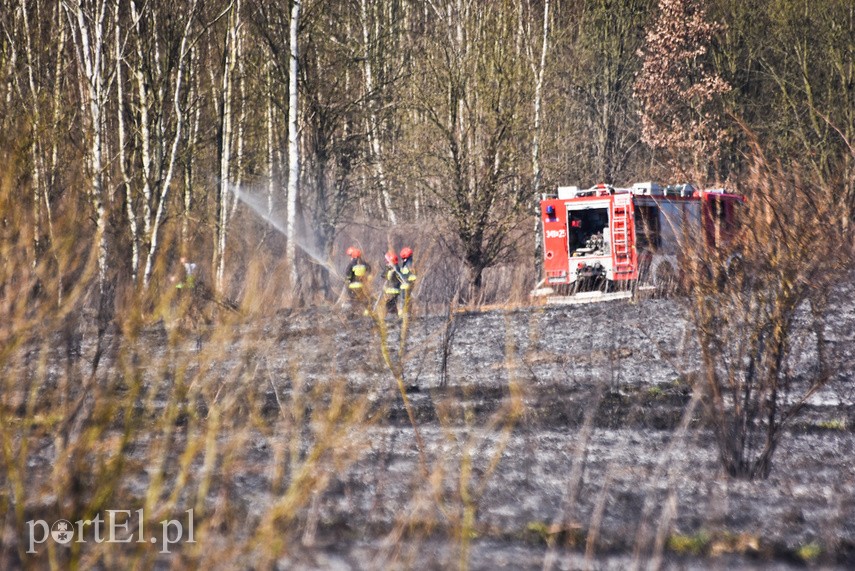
131,130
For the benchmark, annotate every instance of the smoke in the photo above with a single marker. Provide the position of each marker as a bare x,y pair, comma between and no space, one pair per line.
259,205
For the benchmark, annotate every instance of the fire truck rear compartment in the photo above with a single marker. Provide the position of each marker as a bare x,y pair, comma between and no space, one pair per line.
588,233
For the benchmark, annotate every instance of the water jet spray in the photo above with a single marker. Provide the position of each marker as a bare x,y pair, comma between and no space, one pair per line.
260,207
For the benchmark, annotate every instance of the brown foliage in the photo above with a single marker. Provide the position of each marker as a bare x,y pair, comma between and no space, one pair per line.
678,90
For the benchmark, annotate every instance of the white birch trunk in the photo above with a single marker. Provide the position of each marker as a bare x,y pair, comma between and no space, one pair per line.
240,123
538,101
56,103
373,123
144,135
37,165
271,157
123,160
191,145
225,150
11,77
293,147
537,173
90,52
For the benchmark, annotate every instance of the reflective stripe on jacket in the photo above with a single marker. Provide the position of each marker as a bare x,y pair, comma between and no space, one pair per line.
408,273
393,282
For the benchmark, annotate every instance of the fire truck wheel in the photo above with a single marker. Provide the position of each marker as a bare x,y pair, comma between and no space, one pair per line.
664,279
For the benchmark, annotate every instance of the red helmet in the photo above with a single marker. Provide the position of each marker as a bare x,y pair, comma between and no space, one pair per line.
391,258
353,252
406,253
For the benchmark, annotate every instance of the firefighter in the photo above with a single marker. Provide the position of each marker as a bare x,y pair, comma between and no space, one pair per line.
409,276
392,288
190,297
356,276
189,281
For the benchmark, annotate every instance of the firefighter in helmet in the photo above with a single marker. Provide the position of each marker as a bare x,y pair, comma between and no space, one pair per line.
356,276
192,298
189,281
392,288
409,276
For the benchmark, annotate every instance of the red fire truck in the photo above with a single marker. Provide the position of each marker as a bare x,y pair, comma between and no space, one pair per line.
605,238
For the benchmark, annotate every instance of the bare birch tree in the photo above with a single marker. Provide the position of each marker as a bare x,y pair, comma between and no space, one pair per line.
293,144
123,151
224,138
372,119
270,122
536,170
36,165
190,143
89,34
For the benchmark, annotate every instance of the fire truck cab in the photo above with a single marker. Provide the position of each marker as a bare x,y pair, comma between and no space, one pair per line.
606,237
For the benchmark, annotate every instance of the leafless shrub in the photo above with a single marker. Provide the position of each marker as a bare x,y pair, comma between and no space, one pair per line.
446,343
746,301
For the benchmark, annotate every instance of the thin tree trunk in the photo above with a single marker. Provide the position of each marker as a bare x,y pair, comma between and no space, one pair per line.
144,135
225,146
191,146
123,160
537,173
56,105
90,54
293,148
240,123
37,165
10,72
373,125
271,157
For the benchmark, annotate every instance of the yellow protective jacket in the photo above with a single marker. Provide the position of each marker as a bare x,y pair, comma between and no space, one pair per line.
356,273
408,274
393,281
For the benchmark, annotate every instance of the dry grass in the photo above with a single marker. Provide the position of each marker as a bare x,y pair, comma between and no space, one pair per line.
160,401
157,402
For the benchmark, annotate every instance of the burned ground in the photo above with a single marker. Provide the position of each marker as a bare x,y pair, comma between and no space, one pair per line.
570,434
598,450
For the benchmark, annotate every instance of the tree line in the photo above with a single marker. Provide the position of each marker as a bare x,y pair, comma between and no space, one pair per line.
140,123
